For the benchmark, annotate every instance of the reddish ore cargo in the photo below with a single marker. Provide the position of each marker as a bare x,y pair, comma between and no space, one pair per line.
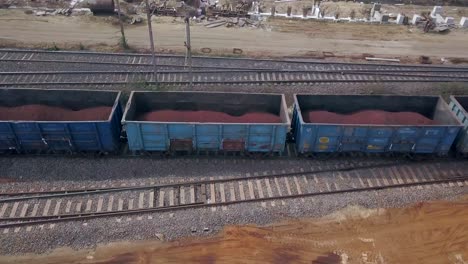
35,112
203,116
373,117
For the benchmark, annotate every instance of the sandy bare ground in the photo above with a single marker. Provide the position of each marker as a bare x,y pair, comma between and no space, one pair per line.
434,232
286,38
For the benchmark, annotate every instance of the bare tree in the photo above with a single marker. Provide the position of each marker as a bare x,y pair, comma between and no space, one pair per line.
123,40
352,14
150,31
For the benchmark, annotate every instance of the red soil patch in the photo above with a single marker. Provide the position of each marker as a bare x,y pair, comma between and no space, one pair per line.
207,117
373,117
51,113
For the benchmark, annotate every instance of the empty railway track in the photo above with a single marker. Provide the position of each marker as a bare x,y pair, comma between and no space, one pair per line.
236,77
31,208
135,59
48,68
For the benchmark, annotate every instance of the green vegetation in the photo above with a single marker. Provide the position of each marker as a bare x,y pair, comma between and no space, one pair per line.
123,43
54,47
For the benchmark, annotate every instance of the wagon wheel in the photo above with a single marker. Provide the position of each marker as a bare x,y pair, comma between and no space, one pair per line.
306,155
168,154
103,153
84,154
352,154
147,153
323,155
460,155
8,152
290,137
400,155
418,157
412,157
153,154
255,155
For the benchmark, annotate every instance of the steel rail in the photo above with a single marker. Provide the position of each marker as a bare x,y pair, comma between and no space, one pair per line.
134,72
263,70
11,84
83,216
76,192
228,77
434,69
64,217
124,64
92,53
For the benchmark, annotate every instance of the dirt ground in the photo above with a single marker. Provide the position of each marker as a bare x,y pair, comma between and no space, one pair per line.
432,232
281,38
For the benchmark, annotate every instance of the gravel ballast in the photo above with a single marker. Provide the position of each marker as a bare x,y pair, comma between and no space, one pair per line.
204,222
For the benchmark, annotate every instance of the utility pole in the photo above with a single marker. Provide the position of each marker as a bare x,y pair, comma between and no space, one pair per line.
123,39
150,30
189,48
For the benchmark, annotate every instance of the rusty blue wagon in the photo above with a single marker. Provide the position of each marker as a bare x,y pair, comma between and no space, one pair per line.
31,136
156,136
371,138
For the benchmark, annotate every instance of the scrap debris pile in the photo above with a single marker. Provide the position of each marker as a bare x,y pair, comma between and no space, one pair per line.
427,21
61,11
236,22
435,21
210,11
134,11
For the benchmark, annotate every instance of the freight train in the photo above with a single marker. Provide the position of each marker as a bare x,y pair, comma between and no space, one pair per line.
76,121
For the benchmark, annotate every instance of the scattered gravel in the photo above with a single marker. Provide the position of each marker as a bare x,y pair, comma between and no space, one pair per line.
72,172
289,90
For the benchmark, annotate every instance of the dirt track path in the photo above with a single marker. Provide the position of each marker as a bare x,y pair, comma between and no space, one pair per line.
18,27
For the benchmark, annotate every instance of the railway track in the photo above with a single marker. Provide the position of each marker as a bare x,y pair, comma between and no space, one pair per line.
113,69
135,59
79,65
47,68
31,207
218,77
